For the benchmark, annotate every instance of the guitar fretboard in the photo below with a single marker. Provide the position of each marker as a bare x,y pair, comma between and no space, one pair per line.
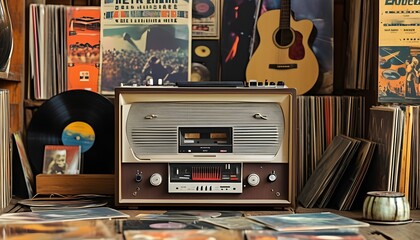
285,15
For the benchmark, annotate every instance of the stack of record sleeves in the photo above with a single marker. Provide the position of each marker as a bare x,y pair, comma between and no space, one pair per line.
5,153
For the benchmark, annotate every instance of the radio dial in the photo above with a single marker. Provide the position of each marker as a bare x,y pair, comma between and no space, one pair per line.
253,179
156,179
272,177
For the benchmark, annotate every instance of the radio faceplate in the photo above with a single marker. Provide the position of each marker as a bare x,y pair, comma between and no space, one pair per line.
205,146
259,183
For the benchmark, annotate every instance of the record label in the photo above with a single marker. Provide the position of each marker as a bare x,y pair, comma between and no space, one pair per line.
202,51
79,133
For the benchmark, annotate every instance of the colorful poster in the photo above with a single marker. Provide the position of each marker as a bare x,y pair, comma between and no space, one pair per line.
145,43
205,19
240,38
83,44
399,51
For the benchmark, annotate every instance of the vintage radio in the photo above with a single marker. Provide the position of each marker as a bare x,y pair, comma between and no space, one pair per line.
202,146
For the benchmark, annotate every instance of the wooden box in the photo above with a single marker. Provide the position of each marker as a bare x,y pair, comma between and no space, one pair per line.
75,183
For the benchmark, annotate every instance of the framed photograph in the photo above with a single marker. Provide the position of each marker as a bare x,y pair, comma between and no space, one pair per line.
61,159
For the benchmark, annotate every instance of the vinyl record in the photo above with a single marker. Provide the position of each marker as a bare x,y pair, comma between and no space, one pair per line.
202,51
199,73
158,224
205,213
202,8
76,117
205,60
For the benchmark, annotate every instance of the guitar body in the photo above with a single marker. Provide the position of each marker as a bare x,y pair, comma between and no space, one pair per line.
288,58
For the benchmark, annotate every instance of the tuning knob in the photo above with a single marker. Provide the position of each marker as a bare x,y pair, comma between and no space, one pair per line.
156,179
272,177
253,179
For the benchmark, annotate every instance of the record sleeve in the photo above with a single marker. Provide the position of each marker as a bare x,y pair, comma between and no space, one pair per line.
76,117
189,234
23,179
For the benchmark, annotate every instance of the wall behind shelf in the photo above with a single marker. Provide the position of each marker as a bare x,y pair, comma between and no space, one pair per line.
340,43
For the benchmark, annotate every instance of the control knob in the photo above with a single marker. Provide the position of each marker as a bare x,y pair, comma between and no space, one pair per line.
156,179
253,179
272,177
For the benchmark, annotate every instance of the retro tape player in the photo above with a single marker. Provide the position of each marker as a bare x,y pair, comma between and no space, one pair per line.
202,146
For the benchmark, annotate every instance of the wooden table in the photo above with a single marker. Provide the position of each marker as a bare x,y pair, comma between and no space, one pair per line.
376,231
409,231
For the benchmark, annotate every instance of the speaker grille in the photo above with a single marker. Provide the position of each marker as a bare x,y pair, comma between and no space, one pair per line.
152,128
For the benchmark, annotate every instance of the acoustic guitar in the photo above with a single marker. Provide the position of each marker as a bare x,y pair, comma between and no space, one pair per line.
284,53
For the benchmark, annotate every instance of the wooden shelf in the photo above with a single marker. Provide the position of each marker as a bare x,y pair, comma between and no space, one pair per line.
14,81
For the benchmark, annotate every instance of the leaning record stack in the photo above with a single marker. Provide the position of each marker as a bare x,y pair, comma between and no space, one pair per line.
5,168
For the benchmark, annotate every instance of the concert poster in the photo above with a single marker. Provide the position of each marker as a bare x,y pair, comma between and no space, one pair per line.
399,52
145,43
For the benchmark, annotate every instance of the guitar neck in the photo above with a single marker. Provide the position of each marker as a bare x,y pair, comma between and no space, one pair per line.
285,15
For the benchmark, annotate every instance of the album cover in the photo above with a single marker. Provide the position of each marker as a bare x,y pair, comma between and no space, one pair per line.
275,235
62,159
61,215
43,205
87,229
399,53
308,221
23,178
150,44
206,19
345,195
385,128
235,223
183,234
83,48
325,177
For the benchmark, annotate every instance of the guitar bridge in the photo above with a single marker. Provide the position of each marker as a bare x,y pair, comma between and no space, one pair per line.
282,66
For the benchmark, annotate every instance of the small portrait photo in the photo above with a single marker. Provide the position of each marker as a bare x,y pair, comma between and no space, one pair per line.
60,159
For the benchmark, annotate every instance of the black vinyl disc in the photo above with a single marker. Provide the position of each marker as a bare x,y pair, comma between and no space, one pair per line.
76,117
202,9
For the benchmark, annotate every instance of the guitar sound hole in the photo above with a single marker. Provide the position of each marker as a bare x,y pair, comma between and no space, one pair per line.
284,37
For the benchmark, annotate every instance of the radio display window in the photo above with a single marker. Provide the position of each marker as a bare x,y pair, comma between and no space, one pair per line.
205,140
